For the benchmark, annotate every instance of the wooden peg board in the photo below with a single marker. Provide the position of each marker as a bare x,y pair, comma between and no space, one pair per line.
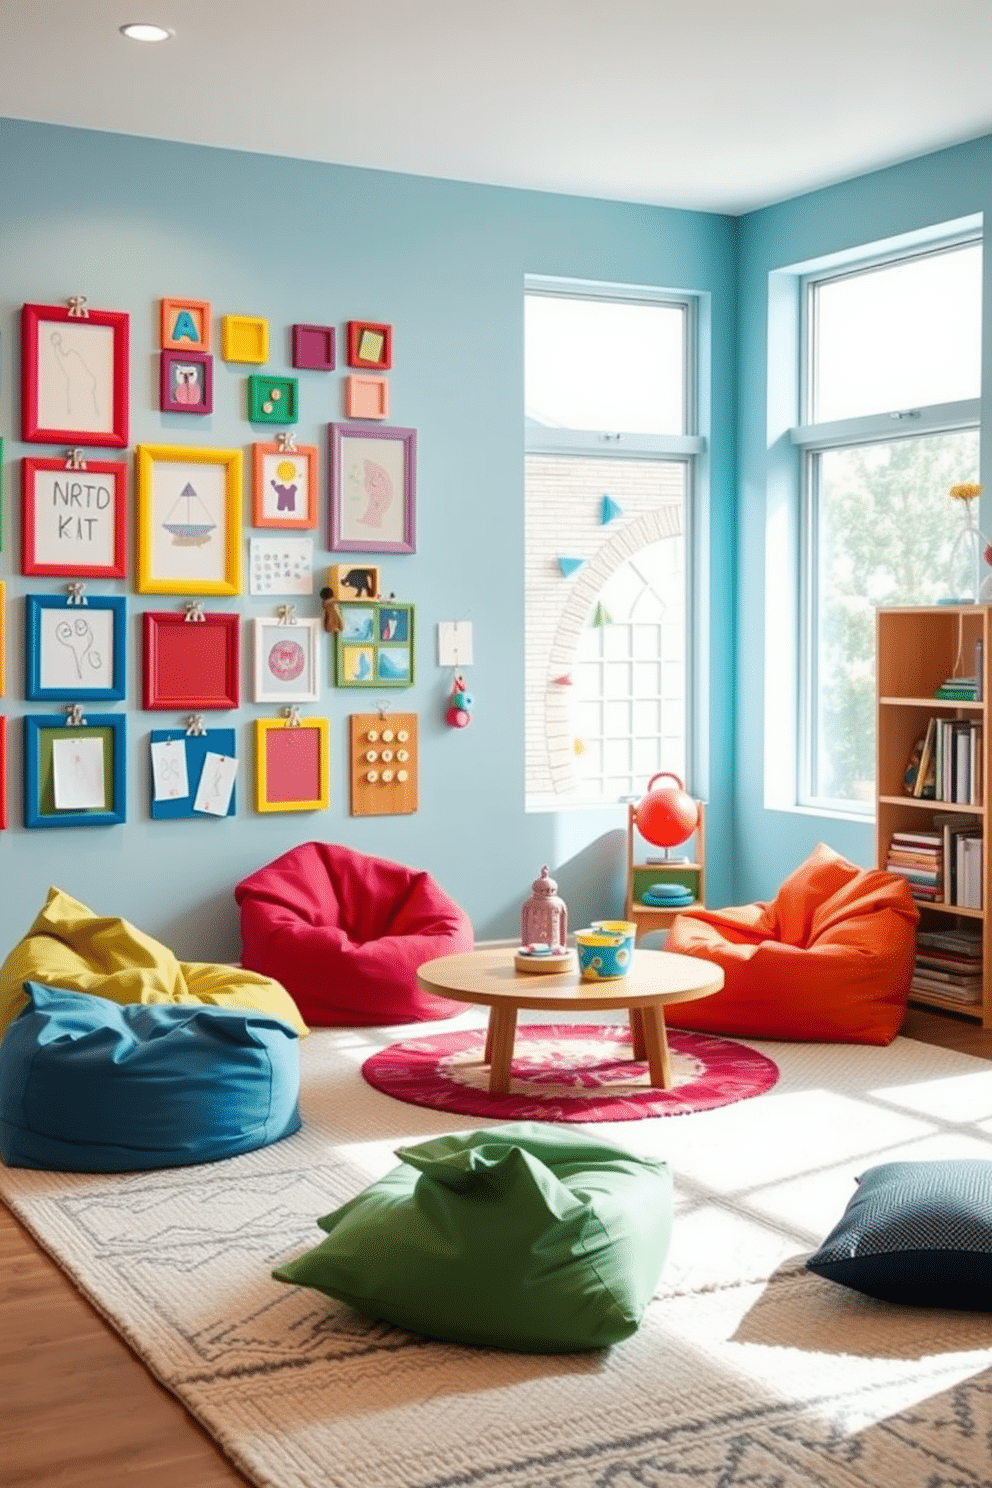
378,743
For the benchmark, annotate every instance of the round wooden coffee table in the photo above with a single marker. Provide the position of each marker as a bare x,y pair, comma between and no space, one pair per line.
655,979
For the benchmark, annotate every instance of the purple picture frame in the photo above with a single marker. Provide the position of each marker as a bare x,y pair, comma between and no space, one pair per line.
373,487
186,382
313,347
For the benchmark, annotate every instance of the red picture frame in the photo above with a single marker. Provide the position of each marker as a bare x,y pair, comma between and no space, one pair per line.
370,344
74,521
74,376
191,663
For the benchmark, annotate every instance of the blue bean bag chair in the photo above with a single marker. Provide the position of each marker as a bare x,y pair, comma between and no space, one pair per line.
89,1086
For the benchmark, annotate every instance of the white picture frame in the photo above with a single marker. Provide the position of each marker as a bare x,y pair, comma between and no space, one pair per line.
286,661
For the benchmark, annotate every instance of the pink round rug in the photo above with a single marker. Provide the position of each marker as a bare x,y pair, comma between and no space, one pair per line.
569,1072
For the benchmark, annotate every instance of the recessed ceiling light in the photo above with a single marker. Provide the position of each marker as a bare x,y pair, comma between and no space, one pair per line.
141,31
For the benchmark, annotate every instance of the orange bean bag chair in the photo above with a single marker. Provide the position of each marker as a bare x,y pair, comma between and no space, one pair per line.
347,932
829,959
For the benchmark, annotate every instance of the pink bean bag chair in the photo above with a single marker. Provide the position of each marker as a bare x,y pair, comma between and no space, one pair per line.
347,933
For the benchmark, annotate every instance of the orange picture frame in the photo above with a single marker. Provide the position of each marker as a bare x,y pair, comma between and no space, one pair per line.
184,325
284,485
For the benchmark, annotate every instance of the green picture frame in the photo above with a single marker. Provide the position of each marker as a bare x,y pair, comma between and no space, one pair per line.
273,400
375,646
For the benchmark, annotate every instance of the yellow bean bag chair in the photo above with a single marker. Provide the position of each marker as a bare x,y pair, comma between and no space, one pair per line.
69,946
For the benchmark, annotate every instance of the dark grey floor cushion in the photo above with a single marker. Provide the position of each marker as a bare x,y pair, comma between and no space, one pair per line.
917,1233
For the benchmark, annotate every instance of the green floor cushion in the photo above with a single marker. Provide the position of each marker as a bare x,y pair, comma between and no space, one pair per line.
524,1236
88,1086
917,1233
69,946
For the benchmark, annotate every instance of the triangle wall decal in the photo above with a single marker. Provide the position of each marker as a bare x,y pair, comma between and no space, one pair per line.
569,565
610,510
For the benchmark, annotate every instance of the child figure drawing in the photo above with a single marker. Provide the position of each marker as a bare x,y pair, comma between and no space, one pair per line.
286,471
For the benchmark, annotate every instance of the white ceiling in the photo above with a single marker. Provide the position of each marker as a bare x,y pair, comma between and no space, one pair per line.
720,105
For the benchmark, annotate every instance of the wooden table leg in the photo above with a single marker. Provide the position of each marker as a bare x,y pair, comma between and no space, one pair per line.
637,1033
652,1020
499,1047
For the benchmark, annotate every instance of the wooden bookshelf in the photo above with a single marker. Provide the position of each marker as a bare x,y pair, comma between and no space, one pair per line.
917,650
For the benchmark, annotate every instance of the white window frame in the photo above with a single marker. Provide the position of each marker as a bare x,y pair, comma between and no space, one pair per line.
685,447
810,439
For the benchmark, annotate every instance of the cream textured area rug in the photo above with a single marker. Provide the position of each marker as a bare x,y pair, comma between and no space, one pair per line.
747,1372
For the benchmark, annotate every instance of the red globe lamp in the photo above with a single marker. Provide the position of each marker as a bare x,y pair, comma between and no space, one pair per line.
666,816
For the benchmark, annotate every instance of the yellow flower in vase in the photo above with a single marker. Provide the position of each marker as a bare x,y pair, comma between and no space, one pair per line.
973,542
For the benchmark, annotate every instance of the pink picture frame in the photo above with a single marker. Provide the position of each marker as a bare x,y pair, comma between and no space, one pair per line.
366,397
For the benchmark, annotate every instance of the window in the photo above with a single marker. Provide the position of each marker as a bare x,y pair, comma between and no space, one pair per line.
892,372
608,484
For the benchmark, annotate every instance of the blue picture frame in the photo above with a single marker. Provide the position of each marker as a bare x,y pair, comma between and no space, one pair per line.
41,730
198,746
66,649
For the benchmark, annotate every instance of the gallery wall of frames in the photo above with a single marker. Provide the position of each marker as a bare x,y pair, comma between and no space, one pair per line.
191,524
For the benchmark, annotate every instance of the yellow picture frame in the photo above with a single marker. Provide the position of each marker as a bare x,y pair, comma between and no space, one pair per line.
3,636
292,764
244,338
189,523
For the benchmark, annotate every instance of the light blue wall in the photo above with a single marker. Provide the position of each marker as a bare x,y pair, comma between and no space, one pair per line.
126,221
943,187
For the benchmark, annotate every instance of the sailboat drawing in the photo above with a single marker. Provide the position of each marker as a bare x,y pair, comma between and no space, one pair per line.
189,533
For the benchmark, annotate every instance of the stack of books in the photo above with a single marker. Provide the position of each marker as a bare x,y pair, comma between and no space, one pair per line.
961,689
949,964
942,866
918,857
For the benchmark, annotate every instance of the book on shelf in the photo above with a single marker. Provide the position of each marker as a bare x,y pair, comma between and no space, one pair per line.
925,783
969,982
979,669
964,995
960,885
949,963
963,940
916,839
945,763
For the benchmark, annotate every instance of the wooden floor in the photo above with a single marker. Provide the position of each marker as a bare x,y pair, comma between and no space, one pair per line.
81,1411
